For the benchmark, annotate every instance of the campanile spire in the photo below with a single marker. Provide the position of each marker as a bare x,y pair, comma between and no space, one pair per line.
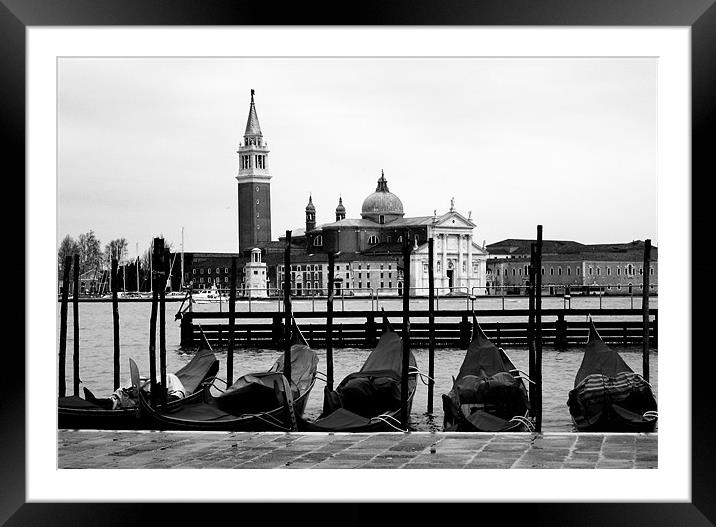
253,185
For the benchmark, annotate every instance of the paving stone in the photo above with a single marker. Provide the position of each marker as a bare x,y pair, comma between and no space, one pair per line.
161,450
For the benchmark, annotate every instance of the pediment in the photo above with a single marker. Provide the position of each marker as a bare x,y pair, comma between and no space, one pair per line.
454,220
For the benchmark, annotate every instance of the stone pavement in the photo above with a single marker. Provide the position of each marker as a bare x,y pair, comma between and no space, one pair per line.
131,449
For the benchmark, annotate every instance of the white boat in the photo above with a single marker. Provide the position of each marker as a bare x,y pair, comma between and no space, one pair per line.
209,296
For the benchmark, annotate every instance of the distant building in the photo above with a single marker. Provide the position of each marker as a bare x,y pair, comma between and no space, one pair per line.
615,268
370,248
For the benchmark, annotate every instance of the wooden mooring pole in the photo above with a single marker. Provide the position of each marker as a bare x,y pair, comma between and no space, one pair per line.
115,322
538,330
431,323
329,320
531,331
645,309
287,307
404,417
163,280
232,324
76,325
63,325
153,324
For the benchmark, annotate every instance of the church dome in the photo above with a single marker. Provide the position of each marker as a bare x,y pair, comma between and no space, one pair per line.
382,201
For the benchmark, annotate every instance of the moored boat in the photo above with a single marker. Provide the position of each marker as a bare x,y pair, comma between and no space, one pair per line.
608,396
90,413
488,394
262,401
369,400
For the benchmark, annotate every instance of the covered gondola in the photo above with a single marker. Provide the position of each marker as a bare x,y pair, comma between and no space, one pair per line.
263,401
608,396
369,400
488,394
91,413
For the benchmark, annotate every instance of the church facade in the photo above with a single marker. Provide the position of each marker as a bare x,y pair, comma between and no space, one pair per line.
370,247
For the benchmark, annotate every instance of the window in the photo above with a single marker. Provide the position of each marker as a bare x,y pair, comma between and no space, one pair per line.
551,271
318,241
390,285
347,276
619,271
226,269
390,238
651,270
599,271
226,278
193,271
543,271
381,219
520,272
513,271
609,271
578,271
569,271
315,285
201,280
425,270
201,271
217,270
360,285
381,285
559,270
641,271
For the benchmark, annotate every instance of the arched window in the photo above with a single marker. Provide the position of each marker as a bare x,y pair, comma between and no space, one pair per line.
318,241
373,239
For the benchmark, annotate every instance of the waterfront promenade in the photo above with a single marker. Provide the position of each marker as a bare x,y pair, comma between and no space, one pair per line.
415,450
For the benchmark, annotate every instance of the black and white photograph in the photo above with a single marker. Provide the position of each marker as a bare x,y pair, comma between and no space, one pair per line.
358,246
346,250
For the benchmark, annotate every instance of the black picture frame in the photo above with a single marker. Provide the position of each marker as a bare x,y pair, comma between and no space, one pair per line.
699,15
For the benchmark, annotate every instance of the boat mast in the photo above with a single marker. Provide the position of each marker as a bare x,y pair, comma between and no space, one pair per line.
181,282
136,245
151,269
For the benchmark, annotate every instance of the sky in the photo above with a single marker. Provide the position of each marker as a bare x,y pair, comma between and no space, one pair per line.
147,146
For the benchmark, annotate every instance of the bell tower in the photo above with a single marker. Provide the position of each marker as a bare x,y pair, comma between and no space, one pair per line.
254,187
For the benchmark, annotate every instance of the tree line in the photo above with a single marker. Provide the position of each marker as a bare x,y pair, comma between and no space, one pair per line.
89,248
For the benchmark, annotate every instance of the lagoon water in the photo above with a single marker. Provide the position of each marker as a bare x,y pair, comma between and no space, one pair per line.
558,368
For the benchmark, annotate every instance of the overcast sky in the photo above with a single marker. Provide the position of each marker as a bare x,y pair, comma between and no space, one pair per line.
148,146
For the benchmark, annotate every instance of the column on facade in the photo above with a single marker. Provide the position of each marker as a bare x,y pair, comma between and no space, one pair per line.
444,264
471,277
459,273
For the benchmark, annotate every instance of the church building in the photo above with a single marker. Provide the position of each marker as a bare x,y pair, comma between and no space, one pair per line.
370,247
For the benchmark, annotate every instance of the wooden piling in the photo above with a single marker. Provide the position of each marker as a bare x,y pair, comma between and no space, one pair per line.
329,320
163,280
63,324
404,417
531,329
115,322
232,324
153,325
538,330
645,310
287,307
76,325
431,323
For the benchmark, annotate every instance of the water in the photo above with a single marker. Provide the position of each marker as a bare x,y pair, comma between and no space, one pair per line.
96,355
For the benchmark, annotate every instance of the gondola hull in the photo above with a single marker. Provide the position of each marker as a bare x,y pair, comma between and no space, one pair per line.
214,419
343,420
608,396
76,413
488,394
